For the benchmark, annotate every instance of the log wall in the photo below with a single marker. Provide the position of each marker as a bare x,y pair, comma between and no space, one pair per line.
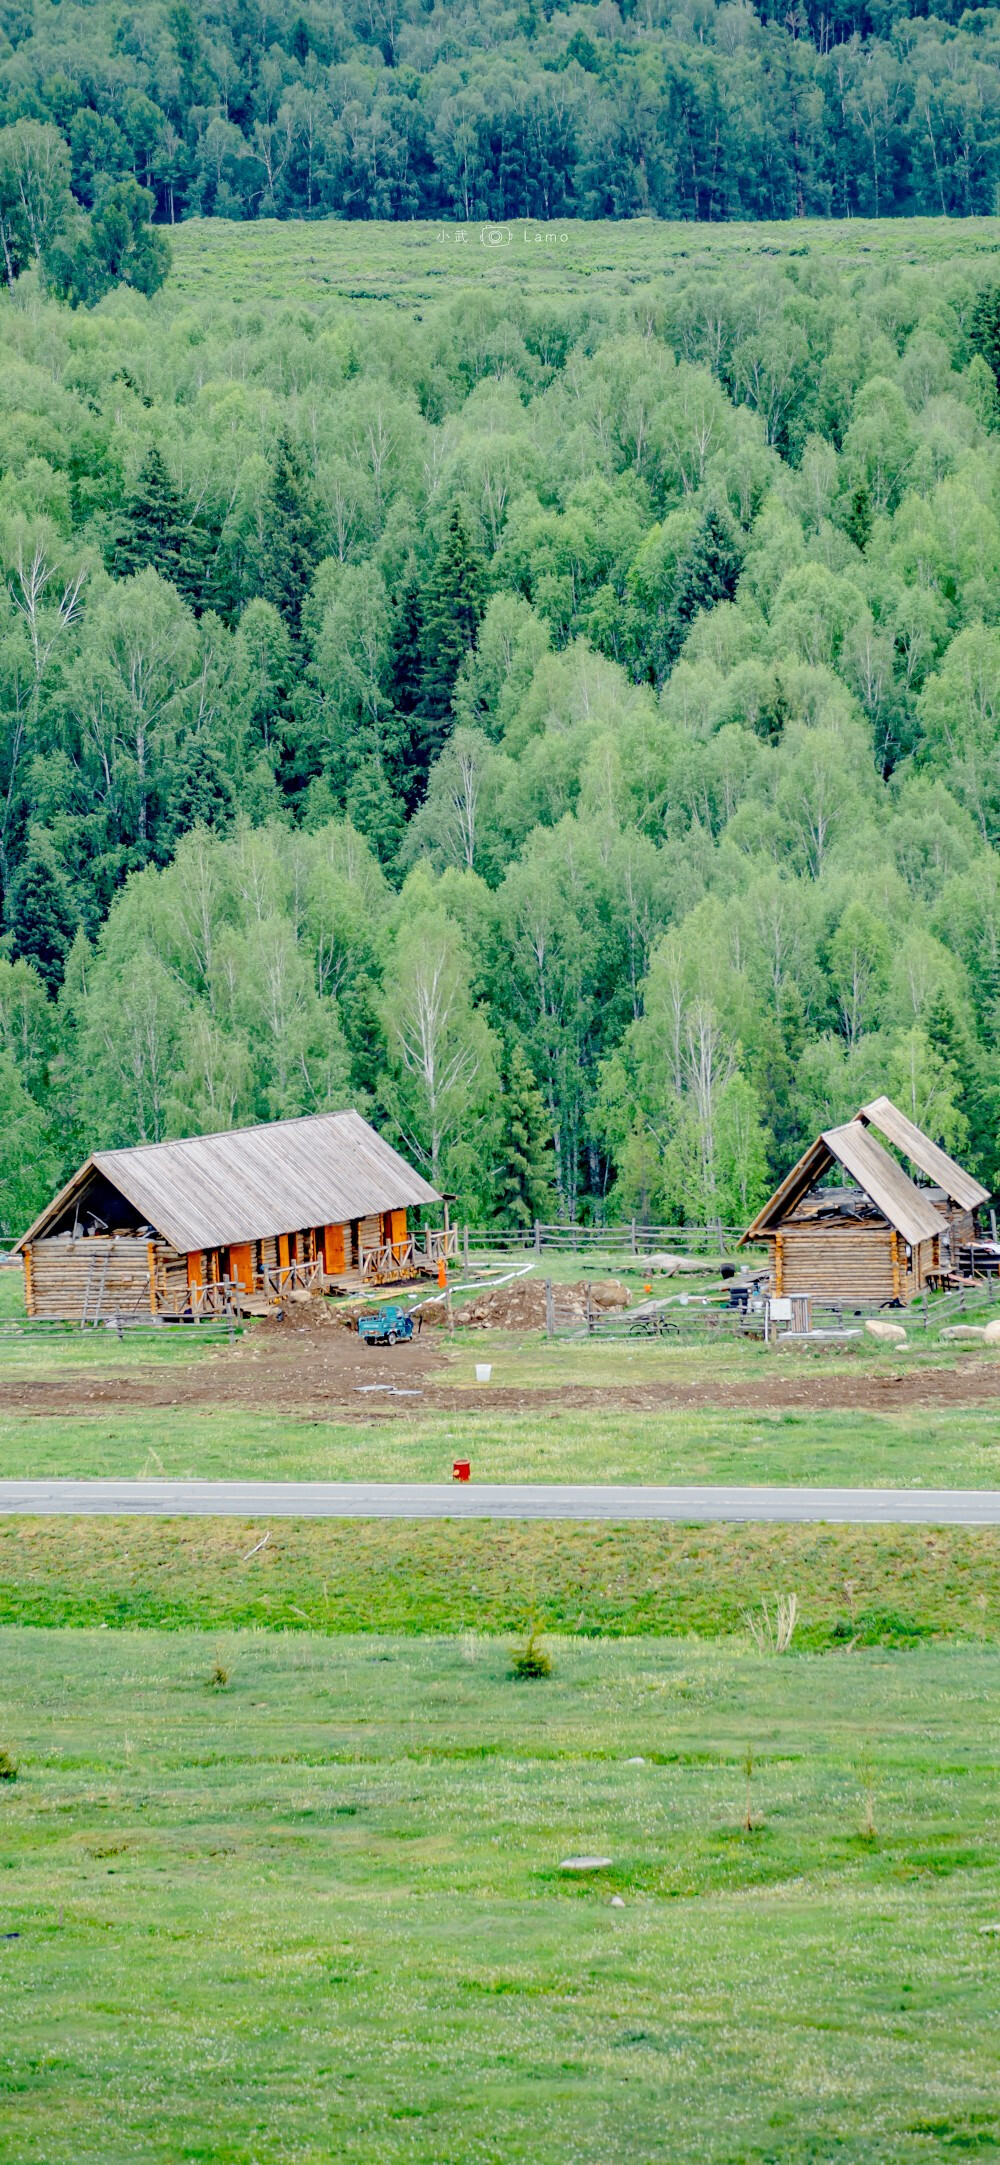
841,1262
99,1275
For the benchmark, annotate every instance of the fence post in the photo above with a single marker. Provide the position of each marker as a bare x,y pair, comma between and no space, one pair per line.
961,1297
538,1238
550,1319
634,1250
465,1246
927,1312
590,1313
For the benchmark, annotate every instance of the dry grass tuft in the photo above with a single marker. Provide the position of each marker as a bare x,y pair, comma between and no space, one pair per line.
773,1633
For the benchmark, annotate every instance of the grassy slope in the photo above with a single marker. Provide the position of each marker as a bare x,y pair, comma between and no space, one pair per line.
892,1586
319,1914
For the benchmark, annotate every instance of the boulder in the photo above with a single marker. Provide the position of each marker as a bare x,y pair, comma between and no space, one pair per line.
992,1332
888,1334
965,1330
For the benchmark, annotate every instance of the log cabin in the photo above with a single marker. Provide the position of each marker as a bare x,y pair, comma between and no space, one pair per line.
235,1221
871,1233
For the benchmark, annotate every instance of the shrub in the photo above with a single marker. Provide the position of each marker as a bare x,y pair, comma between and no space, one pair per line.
8,1766
531,1659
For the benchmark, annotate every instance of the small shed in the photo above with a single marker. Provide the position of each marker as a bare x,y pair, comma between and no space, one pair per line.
240,1219
872,1234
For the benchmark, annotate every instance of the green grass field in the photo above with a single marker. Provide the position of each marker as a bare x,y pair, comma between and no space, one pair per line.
315,1911
268,262
318,1912
913,1448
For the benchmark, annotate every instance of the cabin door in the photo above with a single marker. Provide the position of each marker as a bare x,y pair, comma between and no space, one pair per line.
241,1266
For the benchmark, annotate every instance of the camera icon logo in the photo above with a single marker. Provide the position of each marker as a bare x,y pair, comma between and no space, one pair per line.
495,236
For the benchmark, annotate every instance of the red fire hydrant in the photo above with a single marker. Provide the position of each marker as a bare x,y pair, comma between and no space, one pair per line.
461,1470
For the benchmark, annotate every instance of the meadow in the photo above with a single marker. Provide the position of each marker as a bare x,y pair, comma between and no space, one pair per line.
282,1853
314,1908
421,261
930,1448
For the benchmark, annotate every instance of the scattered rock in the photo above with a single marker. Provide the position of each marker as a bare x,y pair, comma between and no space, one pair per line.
618,1902
585,1864
992,1332
888,1334
965,1330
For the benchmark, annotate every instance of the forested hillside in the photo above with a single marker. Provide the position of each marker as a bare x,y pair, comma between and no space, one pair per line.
567,730
517,108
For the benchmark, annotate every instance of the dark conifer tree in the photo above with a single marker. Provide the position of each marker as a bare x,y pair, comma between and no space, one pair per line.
453,601
984,327
292,545
157,530
403,751
203,794
406,667
40,913
950,1033
858,518
523,1186
706,575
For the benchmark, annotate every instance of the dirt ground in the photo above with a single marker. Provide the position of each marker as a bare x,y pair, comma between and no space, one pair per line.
324,1371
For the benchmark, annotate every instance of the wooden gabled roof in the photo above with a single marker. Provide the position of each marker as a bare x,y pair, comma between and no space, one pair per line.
882,1179
918,1147
206,1191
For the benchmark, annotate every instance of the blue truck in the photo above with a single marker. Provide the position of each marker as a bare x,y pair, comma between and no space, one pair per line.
389,1326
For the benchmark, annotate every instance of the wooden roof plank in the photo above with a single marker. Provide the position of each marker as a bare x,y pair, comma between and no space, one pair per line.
207,1191
890,1188
808,1168
918,1147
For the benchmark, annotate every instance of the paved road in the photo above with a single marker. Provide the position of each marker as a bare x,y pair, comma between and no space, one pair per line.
486,1500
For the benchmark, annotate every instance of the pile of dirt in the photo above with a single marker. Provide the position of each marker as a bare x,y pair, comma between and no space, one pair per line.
521,1306
298,1312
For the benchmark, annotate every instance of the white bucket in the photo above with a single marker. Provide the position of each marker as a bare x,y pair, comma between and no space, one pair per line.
484,1370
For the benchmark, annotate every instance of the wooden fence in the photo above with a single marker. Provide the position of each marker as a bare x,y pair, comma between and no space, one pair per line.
696,1318
632,1238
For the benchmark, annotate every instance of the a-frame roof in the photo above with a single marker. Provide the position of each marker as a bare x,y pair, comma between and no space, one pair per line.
206,1191
901,1202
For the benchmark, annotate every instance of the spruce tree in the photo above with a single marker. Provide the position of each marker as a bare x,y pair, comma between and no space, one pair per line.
403,751
950,1035
984,327
157,531
292,546
706,575
203,793
406,667
523,1187
453,601
40,912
